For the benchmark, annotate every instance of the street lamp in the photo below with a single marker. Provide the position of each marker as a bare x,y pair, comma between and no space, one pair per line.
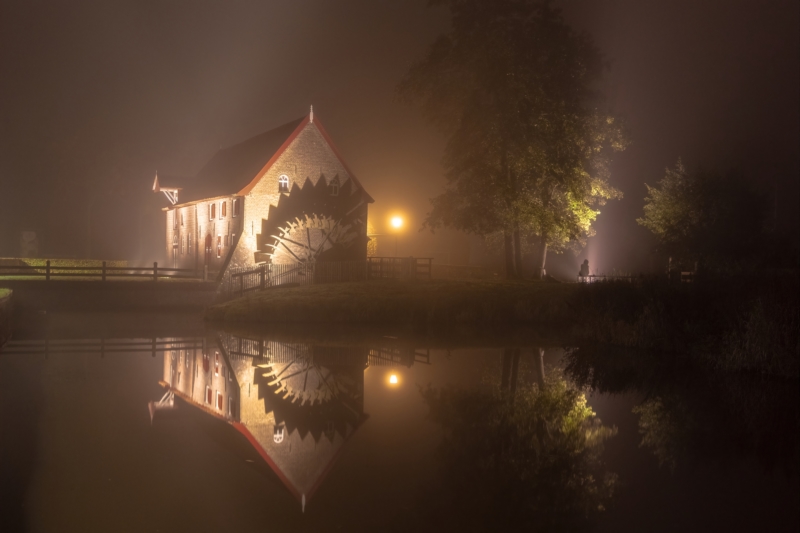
397,223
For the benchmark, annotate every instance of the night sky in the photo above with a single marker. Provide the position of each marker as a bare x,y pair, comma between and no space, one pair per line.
97,96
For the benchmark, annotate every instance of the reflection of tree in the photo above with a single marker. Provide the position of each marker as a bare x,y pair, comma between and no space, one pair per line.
663,430
697,414
521,461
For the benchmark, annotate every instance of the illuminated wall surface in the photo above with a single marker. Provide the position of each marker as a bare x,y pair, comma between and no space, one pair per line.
296,404
296,201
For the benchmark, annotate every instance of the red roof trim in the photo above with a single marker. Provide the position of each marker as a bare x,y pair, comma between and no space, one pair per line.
264,455
286,144
275,156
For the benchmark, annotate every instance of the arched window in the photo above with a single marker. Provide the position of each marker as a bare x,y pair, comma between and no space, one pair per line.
334,187
283,183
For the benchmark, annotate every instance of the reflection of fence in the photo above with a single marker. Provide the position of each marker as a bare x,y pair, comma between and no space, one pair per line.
99,346
238,281
103,272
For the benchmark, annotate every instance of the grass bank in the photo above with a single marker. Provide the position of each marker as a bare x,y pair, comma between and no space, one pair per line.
733,324
421,303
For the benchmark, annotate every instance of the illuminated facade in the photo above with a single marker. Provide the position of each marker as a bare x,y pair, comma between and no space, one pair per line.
292,406
285,196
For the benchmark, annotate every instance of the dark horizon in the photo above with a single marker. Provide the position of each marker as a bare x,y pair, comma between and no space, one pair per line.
95,98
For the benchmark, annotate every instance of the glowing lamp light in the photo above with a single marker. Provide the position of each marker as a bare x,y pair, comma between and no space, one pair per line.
397,222
393,379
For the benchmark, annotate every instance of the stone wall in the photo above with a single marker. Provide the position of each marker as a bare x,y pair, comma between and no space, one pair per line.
189,226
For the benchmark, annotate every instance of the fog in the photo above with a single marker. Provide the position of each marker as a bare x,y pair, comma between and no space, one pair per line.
95,97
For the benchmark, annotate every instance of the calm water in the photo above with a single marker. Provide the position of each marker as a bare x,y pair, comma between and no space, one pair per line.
148,423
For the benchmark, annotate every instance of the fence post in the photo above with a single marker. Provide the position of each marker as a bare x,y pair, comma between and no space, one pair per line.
263,277
155,271
104,270
47,271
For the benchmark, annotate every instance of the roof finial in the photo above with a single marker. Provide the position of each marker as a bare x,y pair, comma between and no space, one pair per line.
311,115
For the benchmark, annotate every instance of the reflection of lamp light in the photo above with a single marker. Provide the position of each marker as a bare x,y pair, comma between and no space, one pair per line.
397,222
393,379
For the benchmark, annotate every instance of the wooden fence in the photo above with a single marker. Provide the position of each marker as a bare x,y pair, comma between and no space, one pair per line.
237,282
103,272
399,267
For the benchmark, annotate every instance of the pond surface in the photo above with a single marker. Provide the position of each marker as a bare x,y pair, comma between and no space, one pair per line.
147,423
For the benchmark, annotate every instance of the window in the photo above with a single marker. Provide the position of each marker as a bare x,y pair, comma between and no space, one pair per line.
212,211
205,363
189,243
186,359
231,407
334,187
219,401
174,219
219,245
181,219
208,395
235,207
216,363
283,183
224,211
226,241
183,245
277,434
175,241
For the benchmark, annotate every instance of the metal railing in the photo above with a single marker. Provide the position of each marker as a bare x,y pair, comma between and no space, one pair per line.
399,267
239,281
103,272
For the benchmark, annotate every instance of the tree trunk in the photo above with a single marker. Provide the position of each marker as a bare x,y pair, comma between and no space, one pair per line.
518,251
508,245
539,272
538,366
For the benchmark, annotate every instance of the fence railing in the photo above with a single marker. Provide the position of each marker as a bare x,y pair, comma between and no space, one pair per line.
239,281
399,267
103,272
594,278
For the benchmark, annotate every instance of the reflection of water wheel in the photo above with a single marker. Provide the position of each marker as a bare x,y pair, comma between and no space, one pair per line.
304,240
303,382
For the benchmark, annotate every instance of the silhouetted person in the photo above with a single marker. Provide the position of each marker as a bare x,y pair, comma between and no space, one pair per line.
584,269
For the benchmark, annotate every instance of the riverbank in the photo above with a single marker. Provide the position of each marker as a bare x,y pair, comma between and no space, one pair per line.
438,303
733,324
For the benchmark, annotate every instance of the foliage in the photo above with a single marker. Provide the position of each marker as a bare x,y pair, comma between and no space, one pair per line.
514,88
527,461
706,216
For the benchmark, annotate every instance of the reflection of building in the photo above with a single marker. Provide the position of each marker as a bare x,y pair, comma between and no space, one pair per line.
284,196
296,404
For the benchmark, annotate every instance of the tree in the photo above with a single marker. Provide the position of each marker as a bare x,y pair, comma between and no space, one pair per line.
514,88
526,460
714,219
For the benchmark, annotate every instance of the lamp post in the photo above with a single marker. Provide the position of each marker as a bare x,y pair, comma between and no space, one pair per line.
397,223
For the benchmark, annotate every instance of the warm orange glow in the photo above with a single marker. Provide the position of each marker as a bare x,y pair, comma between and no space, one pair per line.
397,222
393,379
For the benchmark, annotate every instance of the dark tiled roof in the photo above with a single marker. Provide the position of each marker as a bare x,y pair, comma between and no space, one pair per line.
231,169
